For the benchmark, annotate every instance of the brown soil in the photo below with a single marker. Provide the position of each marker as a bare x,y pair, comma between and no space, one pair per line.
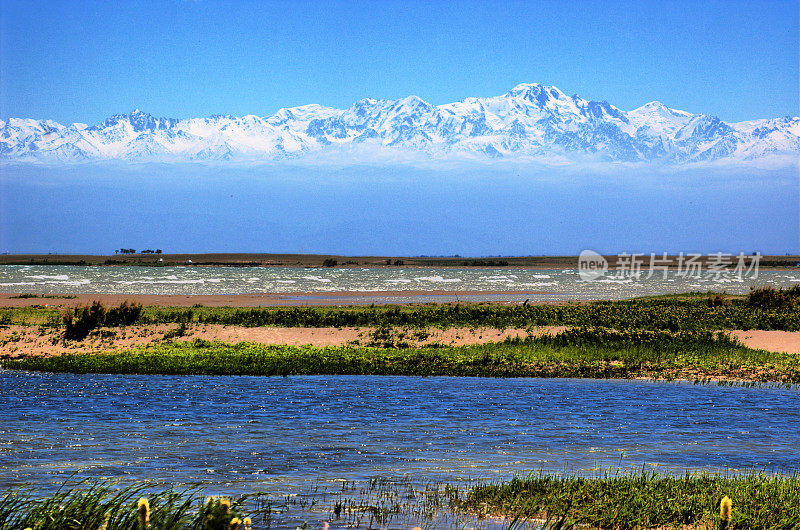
28,340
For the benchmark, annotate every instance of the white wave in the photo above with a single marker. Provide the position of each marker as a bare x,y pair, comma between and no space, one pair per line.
18,283
286,281
540,275
316,279
612,280
46,277
399,280
159,282
538,284
437,279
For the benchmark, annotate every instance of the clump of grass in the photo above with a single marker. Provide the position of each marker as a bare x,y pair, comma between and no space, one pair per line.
718,299
772,298
80,321
645,500
180,331
94,505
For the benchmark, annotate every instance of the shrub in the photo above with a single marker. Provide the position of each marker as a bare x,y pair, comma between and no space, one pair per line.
718,299
772,298
126,314
80,321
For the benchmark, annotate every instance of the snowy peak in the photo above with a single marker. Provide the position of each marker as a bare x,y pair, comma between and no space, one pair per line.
529,122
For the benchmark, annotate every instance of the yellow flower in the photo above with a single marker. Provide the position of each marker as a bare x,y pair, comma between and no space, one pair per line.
143,508
247,522
725,508
234,525
226,505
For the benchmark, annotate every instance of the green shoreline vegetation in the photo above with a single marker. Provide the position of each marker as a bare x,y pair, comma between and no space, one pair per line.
645,500
661,338
582,352
625,500
764,308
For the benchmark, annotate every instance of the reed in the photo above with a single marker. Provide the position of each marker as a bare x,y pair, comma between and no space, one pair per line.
646,500
627,500
104,504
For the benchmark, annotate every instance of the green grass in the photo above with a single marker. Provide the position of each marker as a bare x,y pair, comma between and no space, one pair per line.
595,353
621,501
644,500
93,505
675,313
652,314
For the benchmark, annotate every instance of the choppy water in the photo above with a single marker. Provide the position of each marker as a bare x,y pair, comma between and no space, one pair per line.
534,284
240,434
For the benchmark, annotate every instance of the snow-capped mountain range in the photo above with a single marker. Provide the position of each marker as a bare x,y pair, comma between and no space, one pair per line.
531,121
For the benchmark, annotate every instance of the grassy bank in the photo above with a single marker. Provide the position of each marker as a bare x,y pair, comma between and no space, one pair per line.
692,311
595,353
628,501
644,500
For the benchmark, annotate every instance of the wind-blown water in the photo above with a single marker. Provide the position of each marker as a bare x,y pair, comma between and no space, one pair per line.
530,284
277,434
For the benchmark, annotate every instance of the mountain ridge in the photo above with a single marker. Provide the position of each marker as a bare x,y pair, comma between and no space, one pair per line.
529,122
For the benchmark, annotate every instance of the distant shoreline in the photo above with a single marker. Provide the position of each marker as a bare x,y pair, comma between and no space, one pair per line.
298,298
329,261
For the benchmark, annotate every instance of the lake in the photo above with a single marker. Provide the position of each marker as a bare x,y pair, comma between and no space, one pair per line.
533,284
277,434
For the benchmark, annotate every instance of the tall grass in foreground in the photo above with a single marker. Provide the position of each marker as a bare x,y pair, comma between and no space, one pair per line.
620,501
645,500
103,506
596,353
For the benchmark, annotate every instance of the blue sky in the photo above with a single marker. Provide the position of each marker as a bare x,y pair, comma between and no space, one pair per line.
83,61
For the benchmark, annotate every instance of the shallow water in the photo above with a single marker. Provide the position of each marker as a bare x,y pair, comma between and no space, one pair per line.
258,432
532,283
285,435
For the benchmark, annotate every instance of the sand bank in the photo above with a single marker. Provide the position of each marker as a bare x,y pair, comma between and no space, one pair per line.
29,340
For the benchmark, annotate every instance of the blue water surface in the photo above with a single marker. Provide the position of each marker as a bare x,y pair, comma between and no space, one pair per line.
277,433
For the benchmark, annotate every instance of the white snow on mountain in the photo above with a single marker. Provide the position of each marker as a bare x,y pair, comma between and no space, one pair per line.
530,122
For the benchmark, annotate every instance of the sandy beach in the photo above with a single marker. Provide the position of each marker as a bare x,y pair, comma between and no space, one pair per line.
27,340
